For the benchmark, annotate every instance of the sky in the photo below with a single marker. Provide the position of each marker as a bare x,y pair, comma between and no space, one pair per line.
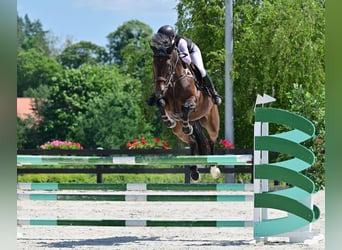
93,20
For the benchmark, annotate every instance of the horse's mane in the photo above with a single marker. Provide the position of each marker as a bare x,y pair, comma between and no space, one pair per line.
161,45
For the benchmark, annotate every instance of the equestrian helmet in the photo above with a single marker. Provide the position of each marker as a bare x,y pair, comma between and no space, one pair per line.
167,30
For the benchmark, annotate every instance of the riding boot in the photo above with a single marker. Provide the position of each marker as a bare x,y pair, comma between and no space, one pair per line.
209,83
152,100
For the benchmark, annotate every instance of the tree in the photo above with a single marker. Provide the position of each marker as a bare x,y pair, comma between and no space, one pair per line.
74,55
313,108
276,44
41,92
34,69
112,119
130,33
27,136
90,104
30,35
129,47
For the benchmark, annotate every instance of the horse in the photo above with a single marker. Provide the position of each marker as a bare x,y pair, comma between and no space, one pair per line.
184,106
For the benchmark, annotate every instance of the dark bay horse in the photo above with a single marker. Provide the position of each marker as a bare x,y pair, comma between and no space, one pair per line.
183,107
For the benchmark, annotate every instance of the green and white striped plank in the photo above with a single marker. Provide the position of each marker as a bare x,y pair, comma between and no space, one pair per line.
138,186
135,160
135,197
134,223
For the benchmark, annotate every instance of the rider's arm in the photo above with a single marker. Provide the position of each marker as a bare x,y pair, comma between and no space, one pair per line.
183,47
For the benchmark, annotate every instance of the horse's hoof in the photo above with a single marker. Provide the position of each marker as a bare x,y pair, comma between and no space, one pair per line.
188,130
195,176
215,172
171,124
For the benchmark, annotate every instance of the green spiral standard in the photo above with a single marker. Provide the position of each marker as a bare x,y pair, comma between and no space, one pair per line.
295,200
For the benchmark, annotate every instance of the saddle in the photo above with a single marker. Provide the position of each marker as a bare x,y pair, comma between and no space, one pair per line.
200,85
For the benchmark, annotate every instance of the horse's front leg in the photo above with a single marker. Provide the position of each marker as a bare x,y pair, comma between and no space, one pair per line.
170,123
187,108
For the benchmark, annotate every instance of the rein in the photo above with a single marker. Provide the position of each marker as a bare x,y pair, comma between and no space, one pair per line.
170,82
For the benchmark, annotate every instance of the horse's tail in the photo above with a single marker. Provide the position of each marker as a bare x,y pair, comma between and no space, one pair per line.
200,144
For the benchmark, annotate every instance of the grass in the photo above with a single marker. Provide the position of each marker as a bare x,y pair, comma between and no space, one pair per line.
121,178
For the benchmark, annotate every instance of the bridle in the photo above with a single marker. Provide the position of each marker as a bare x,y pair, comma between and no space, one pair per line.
169,80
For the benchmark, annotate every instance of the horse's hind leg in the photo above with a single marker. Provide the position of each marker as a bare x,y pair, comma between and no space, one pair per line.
214,170
166,119
194,173
212,147
212,123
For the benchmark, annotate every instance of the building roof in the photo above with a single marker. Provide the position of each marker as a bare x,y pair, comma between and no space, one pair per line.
25,107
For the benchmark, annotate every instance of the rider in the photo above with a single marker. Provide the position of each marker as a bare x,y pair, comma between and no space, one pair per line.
192,54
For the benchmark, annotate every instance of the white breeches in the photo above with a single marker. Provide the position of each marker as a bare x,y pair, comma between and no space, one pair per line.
196,58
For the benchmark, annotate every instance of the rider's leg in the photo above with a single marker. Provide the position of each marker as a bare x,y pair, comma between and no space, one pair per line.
209,83
196,58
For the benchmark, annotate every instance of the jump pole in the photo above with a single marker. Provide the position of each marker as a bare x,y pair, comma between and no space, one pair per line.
227,159
136,197
138,186
135,223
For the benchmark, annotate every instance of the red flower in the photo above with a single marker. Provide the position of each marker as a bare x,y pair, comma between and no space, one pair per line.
165,145
145,144
226,144
135,143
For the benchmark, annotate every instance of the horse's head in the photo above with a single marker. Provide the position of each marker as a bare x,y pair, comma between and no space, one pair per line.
162,45
164,62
